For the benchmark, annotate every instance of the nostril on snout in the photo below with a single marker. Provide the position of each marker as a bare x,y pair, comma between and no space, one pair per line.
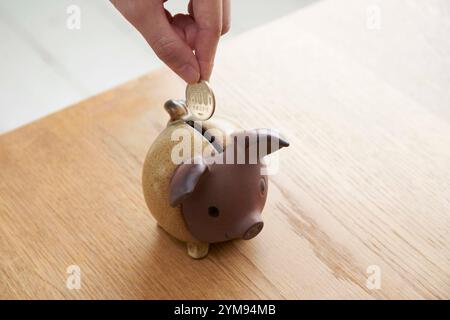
253,230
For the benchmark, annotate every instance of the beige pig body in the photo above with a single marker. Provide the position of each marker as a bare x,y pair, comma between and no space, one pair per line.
159,168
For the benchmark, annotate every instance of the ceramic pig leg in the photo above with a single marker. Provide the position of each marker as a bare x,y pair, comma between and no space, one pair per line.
197,250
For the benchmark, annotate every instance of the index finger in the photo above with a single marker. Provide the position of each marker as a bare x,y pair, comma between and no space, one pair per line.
151,20
208,16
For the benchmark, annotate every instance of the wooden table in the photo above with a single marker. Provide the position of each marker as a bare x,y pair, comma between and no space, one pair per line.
364,186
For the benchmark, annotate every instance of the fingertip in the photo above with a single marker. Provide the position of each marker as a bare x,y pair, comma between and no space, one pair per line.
189,74
205,70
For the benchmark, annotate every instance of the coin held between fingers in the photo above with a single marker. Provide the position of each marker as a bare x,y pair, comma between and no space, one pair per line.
200,100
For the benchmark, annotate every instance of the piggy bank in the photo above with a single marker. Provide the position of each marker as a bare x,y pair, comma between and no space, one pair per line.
207,183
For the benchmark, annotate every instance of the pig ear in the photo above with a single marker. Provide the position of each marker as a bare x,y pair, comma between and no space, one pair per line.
185,179
267,140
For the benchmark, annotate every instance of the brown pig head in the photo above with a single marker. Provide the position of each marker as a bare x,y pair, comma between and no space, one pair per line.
222,197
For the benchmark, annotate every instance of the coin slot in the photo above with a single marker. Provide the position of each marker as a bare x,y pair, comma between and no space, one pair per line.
206,135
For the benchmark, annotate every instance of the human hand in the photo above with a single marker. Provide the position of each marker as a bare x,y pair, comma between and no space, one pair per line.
175,39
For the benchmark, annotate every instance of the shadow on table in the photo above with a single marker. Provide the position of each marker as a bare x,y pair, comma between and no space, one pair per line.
169,272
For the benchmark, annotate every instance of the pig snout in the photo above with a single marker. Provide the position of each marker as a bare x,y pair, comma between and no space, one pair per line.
253,230
250,226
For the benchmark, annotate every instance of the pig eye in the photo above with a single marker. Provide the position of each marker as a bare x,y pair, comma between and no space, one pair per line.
213,212
262,186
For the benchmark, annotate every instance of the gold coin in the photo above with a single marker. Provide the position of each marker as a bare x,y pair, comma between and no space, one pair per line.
200,100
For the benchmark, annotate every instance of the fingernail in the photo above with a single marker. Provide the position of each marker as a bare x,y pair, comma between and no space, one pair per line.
190,74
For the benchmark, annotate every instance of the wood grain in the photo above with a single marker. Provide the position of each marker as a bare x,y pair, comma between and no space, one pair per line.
366,180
